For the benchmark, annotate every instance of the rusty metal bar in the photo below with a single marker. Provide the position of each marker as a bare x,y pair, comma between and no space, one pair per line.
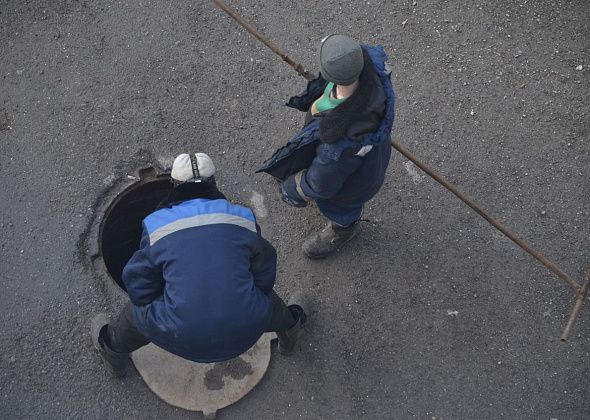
467,200
577,307
251,29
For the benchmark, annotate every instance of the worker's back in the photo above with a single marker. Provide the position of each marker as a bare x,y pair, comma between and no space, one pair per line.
211,306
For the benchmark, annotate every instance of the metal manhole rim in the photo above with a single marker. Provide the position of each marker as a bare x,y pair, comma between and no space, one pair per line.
111,195
117,199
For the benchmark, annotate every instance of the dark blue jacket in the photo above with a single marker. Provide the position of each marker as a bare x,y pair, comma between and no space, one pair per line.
343,153
201,280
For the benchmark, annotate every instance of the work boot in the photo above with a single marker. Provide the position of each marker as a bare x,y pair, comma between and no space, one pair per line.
329,240
288,339
115,361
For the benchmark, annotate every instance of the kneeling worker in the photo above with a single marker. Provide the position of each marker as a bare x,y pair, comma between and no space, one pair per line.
201,284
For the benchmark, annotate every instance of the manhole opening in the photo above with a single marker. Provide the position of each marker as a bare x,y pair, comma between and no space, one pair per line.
120,230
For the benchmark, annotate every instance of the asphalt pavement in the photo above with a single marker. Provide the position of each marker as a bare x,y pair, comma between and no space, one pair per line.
429,314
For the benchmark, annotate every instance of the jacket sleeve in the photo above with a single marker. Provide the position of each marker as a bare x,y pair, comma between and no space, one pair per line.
263,265
142,278
323,179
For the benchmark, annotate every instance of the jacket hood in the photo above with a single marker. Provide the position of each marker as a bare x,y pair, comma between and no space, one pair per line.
378,58
358,115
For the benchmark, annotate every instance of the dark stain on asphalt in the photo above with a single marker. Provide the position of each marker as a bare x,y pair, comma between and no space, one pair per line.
4,121
236,368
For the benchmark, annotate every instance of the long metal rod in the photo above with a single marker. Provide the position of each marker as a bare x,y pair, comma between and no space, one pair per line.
577,307
467,200
274,47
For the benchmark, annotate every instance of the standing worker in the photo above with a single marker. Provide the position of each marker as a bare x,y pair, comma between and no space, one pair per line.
339,158
201,284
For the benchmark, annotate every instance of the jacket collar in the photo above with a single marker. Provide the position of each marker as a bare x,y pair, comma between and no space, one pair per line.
190,191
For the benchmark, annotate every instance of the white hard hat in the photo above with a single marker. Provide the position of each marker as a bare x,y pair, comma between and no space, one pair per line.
195,168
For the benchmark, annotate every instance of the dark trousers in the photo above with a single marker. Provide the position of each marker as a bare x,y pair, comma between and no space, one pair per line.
282,318
341,214
123,336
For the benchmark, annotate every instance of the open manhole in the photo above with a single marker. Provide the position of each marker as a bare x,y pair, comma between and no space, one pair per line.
120,230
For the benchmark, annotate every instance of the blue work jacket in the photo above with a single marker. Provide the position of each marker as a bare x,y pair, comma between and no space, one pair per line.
201,281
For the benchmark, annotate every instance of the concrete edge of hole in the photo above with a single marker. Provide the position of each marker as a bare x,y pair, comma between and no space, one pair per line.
92,259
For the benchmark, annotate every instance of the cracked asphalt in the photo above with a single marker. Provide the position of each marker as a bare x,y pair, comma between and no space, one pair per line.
430,314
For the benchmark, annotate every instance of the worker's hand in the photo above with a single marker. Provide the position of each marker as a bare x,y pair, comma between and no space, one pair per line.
289,194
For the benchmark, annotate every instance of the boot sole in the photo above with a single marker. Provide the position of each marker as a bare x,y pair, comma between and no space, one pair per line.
96,324
299,299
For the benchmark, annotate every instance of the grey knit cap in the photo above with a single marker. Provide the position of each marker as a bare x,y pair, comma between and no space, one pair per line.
341,59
